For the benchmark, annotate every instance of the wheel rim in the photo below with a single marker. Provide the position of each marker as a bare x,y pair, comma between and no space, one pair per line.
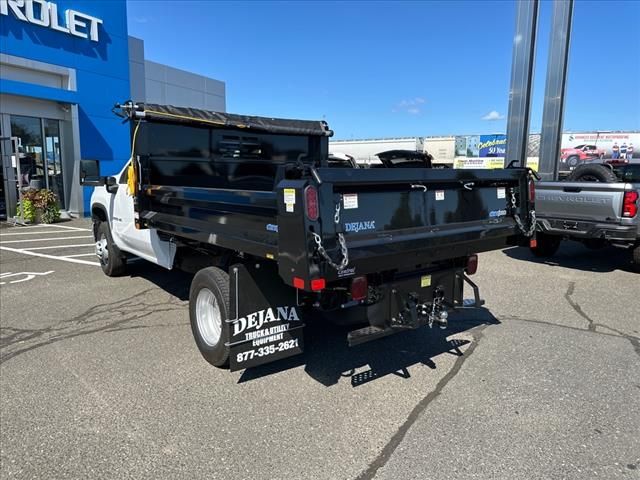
102,249
208,317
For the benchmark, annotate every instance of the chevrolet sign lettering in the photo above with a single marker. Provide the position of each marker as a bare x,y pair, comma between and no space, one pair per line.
45,14
573,199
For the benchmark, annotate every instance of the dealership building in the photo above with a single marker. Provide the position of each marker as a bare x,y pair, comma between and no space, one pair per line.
63,65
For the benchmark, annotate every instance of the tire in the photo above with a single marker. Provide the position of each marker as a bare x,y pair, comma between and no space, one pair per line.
635,258
208,312
112,260
546,245
593,173
595,243
573,160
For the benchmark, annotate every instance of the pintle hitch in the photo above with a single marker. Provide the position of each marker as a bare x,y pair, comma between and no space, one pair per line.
411,313
416,313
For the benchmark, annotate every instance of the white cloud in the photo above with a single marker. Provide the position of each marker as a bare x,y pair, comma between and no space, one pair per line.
411,106
493,115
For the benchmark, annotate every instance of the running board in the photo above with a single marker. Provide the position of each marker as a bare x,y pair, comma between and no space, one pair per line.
367,334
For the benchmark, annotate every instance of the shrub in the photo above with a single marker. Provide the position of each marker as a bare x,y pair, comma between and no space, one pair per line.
27,210
39,205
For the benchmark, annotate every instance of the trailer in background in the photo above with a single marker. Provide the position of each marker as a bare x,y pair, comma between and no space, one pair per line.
364,151
443,149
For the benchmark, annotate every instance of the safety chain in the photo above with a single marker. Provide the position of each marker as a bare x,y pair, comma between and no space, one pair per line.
528,232
343,245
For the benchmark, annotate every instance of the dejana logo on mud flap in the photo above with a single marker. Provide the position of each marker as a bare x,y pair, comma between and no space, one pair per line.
260,318
356,227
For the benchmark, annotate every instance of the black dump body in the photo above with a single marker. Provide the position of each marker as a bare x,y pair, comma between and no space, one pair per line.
246,184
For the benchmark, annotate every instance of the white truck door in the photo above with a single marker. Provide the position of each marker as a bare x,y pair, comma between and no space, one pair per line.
144,243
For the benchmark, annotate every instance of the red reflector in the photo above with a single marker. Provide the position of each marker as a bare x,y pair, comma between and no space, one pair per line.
472,264
533,243
630,204
318,284
359,288
311,203
298,283
532,190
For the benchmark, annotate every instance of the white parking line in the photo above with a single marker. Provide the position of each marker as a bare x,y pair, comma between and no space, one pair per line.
66,226
52,257
81,255
44,239
59,246
39,232
65,229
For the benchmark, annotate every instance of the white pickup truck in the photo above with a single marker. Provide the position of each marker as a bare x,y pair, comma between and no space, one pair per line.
274,228
597,205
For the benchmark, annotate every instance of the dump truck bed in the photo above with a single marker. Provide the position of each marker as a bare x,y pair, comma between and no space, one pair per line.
262,187
389,219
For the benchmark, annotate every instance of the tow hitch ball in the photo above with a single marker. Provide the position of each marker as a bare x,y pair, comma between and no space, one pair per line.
438,313
435,312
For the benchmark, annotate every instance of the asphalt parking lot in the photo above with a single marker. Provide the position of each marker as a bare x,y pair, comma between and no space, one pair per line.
100,378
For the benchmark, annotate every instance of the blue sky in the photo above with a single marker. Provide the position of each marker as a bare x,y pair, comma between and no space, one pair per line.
394,68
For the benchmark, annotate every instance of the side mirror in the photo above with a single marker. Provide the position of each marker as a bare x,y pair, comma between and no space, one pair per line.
111,184
90,173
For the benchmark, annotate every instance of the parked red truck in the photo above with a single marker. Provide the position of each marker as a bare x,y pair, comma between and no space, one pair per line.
574,155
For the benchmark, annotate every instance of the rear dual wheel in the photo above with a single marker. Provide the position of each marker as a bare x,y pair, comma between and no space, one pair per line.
208,312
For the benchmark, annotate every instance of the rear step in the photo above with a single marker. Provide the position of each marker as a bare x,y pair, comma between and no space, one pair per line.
366,334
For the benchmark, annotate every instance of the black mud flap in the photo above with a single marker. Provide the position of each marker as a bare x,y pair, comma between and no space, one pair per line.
265,319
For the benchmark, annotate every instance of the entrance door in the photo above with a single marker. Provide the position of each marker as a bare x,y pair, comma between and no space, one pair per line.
28,160
35,159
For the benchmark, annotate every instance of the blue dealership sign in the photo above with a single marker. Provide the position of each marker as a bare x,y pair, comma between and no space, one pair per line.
492,145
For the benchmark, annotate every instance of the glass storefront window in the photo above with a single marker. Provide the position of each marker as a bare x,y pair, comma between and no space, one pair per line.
37,151
54,161
27,132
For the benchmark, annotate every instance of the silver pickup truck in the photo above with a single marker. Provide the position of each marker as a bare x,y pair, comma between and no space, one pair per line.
597,205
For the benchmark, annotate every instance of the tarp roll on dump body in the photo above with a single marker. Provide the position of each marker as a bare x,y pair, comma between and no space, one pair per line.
196,117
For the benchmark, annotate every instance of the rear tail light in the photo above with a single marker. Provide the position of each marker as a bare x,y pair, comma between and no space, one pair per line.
630,204
311,203
359,288
532,190
472,264
318,284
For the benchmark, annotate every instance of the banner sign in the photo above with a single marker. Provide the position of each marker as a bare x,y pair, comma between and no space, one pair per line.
489,162
492,145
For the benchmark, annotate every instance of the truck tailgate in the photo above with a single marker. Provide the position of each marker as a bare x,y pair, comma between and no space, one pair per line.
398,218
589,201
